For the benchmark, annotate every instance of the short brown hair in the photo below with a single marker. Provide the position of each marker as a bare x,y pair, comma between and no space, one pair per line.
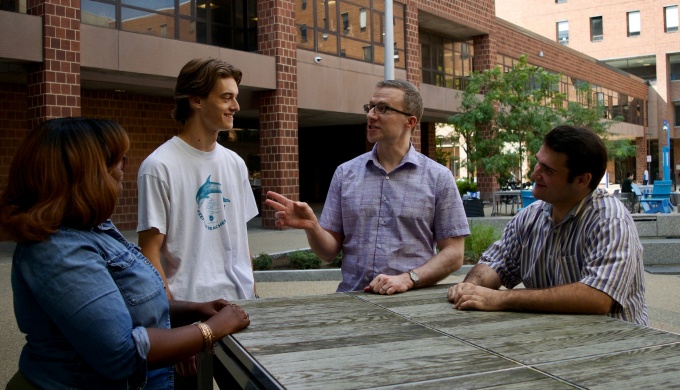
197,78
413,101
61,176
585,150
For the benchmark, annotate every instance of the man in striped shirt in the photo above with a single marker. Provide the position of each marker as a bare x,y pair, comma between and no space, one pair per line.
576,249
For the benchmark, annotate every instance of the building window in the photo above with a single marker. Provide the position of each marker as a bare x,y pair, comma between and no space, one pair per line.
674,61
445,63
345,22
368,53
362,19
304,5
596,29
563,32
633,23
677,115
671,18
560,1
229,24
303,33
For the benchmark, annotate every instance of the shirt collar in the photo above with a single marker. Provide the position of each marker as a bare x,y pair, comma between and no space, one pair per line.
411,157
574,212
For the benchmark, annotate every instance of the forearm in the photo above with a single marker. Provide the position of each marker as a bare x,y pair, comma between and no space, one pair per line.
183,313
447,261
326,245
484,276
568,298
170,346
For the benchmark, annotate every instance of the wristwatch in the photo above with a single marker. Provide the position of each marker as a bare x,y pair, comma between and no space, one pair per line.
414,278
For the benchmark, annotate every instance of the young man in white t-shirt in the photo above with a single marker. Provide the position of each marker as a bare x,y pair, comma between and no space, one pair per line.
194,195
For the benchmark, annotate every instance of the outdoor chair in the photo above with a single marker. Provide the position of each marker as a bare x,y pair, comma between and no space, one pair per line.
659,200
637,195
527,198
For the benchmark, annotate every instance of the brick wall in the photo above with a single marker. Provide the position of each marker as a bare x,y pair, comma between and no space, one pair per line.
278,109
54,84
147,121
13,129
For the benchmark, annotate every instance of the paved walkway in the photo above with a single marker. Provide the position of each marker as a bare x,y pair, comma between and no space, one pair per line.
663,291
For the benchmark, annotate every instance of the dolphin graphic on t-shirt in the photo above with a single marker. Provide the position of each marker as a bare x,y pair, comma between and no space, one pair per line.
209,187
209,199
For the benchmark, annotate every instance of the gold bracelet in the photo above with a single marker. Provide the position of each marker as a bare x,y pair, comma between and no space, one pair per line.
208,338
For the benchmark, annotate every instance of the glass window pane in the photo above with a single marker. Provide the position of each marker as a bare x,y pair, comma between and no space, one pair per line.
633,23
189,31
675,66
156,5
146,22
222,11
354,17
671,16
187,7
98,14
222,36
328,43
563,32
304,15
353,48
305,38
596,28
327,15
378,28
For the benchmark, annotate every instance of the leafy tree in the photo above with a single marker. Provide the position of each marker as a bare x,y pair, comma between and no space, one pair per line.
589,112
518,108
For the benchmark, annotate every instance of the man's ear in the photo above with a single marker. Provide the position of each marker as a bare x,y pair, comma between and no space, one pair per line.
195,102
412,122
584,179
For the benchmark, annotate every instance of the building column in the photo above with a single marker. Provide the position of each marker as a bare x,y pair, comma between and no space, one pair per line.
278,109
54,84
640,156
413,69
485,58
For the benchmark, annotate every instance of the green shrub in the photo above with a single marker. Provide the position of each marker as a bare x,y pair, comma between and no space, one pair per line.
337,262
304,260
481,237
466,185
262,262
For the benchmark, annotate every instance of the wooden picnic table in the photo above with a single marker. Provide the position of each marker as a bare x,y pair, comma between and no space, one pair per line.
416,340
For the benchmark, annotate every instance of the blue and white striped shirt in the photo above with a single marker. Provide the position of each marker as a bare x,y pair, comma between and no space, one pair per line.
597,244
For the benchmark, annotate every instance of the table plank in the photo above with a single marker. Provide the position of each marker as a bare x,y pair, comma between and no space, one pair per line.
649,368
339,341
529,338
513,379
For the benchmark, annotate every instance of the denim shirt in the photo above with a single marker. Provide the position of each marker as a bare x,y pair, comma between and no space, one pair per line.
84,300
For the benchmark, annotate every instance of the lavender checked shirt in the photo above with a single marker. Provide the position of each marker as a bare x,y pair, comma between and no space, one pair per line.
391,222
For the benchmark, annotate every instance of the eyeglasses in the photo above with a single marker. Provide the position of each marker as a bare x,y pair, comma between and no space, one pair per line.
382,109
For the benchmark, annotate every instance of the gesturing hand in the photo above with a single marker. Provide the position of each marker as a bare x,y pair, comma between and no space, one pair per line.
290,213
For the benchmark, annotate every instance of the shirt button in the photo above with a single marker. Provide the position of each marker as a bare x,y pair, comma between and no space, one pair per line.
379,246
387,177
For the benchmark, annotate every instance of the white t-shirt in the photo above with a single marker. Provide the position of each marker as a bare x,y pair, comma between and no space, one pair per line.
201,202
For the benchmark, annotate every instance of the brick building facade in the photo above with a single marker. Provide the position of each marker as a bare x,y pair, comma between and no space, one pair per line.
308,113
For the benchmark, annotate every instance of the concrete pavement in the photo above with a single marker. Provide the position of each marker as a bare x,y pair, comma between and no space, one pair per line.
663,291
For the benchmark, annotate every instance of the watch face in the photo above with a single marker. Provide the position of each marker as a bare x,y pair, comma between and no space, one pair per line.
414,277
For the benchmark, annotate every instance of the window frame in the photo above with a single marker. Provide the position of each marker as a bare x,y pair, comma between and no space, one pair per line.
593,36
632,33
666,12
557,27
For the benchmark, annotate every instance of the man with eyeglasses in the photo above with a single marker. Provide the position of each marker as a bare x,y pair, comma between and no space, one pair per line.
387,210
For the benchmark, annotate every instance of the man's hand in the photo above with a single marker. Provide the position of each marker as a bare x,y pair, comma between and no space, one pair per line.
470,296
289,213
388,285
